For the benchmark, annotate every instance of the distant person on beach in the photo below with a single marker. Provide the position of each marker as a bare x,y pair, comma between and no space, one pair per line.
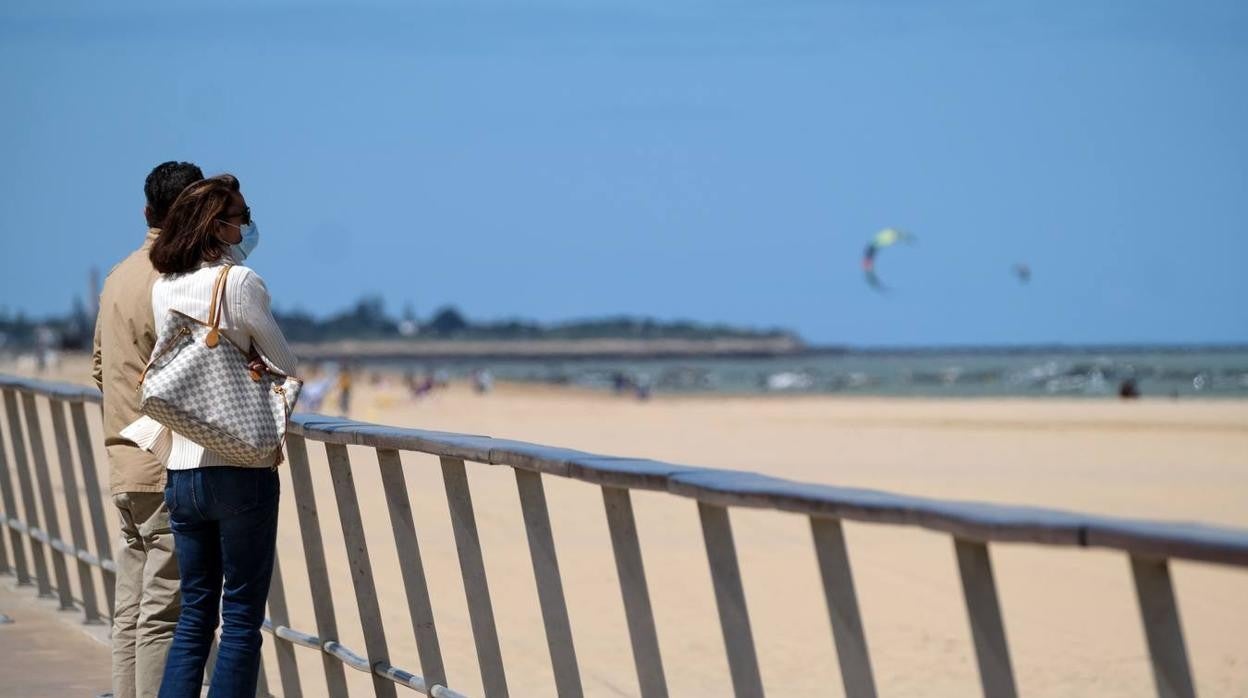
482,381
315,387
620,382
643,387
223,515
422,387
1128,390
146,599
344,389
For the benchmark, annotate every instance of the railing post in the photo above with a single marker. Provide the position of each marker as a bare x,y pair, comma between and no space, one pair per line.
838,590
262,682
314,556
30,511
411,567
95,500
1160,614
549,585
287,668
51,522
632,573
472,567
74,508
987,628
734,618
10,515
5,568
361,567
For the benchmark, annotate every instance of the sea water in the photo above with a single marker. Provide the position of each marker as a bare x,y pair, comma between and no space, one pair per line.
1206,372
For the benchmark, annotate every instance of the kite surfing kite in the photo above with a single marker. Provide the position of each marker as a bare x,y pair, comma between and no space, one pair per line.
885,238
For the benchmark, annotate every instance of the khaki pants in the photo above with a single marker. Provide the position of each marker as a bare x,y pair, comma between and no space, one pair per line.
148,599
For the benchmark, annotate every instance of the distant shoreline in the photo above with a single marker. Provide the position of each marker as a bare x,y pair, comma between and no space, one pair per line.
729,347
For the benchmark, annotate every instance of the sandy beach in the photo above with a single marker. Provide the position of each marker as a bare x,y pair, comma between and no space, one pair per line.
1071,616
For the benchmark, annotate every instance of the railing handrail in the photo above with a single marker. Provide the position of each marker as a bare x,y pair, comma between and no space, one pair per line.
70,392
966,519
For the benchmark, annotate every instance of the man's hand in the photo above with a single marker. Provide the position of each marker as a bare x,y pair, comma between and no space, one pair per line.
256,365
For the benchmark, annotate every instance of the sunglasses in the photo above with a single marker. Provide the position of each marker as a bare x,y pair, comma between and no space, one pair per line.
245,214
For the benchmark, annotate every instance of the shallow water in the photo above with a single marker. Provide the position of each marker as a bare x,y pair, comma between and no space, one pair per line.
1071,372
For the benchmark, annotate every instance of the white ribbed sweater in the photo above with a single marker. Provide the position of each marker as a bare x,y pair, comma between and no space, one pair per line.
246,319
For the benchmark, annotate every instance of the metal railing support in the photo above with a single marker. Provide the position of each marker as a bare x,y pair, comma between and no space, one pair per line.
838,591
29,507
549,585
314,556
637,610
11,517
734,618
95,501
51,522
476,588
262,682
361,566
1160,614
73,507
411,566
984,611
279,615
5,495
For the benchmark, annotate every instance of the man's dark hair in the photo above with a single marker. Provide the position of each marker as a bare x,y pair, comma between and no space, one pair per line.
163,185
188,236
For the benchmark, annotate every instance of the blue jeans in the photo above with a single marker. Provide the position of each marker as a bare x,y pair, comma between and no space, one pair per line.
224,522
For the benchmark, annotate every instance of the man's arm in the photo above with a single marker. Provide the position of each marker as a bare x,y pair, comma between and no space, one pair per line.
97,361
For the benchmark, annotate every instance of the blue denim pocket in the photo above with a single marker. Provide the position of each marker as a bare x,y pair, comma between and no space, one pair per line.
236,490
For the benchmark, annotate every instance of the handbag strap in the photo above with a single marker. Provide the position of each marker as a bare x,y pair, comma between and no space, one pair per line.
214,318
214,310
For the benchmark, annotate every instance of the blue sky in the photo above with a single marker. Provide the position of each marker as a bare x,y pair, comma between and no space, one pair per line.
719,161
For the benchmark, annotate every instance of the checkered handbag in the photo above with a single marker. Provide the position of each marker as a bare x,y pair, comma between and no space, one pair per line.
204,389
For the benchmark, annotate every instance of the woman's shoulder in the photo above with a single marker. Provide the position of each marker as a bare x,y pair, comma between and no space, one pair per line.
241,272
246,284
245,277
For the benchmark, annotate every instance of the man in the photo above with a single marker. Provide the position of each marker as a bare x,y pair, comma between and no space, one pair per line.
147,598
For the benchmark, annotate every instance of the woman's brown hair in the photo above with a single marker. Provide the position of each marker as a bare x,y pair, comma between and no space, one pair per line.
189,237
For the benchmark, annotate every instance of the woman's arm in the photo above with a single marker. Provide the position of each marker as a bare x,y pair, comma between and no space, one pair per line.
257,317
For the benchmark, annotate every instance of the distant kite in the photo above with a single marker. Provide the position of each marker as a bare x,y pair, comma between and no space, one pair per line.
1023,272
885,238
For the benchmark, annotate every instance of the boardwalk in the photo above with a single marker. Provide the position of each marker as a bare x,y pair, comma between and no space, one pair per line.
46,652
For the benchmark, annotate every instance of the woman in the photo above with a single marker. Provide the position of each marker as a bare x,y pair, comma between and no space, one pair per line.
224,517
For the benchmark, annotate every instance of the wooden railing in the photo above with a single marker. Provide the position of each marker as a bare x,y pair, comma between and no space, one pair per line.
973,527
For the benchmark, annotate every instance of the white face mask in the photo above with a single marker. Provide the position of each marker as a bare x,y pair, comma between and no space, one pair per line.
251,238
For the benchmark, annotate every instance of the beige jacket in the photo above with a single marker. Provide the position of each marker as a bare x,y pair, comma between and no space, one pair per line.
125,334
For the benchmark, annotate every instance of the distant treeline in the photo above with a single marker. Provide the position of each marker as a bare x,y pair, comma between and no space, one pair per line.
72,331
369,320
